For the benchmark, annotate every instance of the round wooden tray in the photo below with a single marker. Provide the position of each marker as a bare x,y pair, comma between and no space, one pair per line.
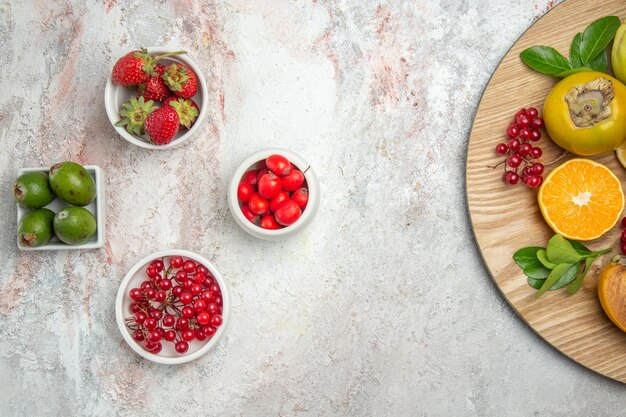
507,218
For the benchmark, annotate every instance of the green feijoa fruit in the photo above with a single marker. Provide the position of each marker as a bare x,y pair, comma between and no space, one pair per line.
32,190
72,183
35,228
74,225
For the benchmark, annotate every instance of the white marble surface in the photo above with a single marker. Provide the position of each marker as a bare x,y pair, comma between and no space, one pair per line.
382,307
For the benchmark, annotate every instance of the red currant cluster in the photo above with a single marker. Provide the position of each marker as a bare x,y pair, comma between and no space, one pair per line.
524,129
185,299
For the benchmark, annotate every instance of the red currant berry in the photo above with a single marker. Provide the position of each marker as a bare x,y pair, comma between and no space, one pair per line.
514,144
170,335
157,264
525,149
512,131
216,320
186,297
140,317
536,152
149,345
151,271
199,278
156,314
537,123
188,284
199,305
201,269
154,336
212,308
215,289
535,135
177,291
511,177
521,112
157,348
218,300
208,330
538,168
534,181
138,335
189,266
168,320
188,312
145,285
196,289
150,293
528,170
514,160
244,191
524,133
150,323
165,284
188,335
203,317
532,112
181,347
200,336
180,277
501,149
135,293
176,261
160,296
182,323
207,295
522,121
134,307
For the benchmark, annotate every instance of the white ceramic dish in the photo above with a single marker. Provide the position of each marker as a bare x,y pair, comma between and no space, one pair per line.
116,95
96,207
168,354
311,182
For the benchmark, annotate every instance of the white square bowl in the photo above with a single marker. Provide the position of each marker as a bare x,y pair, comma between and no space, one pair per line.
96,207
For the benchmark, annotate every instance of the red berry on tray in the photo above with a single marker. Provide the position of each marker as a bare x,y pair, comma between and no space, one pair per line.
301,197
288,213
269,186
293,180
269,222
278,164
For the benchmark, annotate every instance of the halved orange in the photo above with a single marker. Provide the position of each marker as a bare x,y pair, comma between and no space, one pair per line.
581,199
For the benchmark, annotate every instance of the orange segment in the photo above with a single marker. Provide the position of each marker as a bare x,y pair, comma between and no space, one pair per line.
581,199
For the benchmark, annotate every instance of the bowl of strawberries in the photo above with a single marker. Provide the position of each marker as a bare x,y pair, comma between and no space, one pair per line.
156,98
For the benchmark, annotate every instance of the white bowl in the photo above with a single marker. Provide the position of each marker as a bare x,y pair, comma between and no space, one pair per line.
96,207
307,214
116,95
168,354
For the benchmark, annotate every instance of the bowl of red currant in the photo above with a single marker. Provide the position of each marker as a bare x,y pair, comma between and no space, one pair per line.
274,194
172,306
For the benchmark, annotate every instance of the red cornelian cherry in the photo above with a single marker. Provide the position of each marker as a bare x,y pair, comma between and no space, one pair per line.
177,291
512,131
525,149
511,177
514,160
201,269
537,123
514,144
188,335
538,168
182,323
168,320
535,135
150,323
165,284
138,335
180,277
532,112
188,312
185,297
170,335
536,152
524,134
244,191
189,266
208,330
501,148
157,264
216,320
203,317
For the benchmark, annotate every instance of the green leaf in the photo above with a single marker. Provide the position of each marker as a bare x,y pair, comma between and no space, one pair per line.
561,251
526,258
535,283
568,276
579,247
575,285
597,36
543,258
599,63
574,51
554,276
545,59
573,71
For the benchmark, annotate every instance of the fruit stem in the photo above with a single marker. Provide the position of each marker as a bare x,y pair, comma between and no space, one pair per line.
497,165
170,54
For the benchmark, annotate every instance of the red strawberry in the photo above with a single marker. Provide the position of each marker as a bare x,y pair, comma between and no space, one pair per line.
136,67
186,109
154,89
181,80
162,125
